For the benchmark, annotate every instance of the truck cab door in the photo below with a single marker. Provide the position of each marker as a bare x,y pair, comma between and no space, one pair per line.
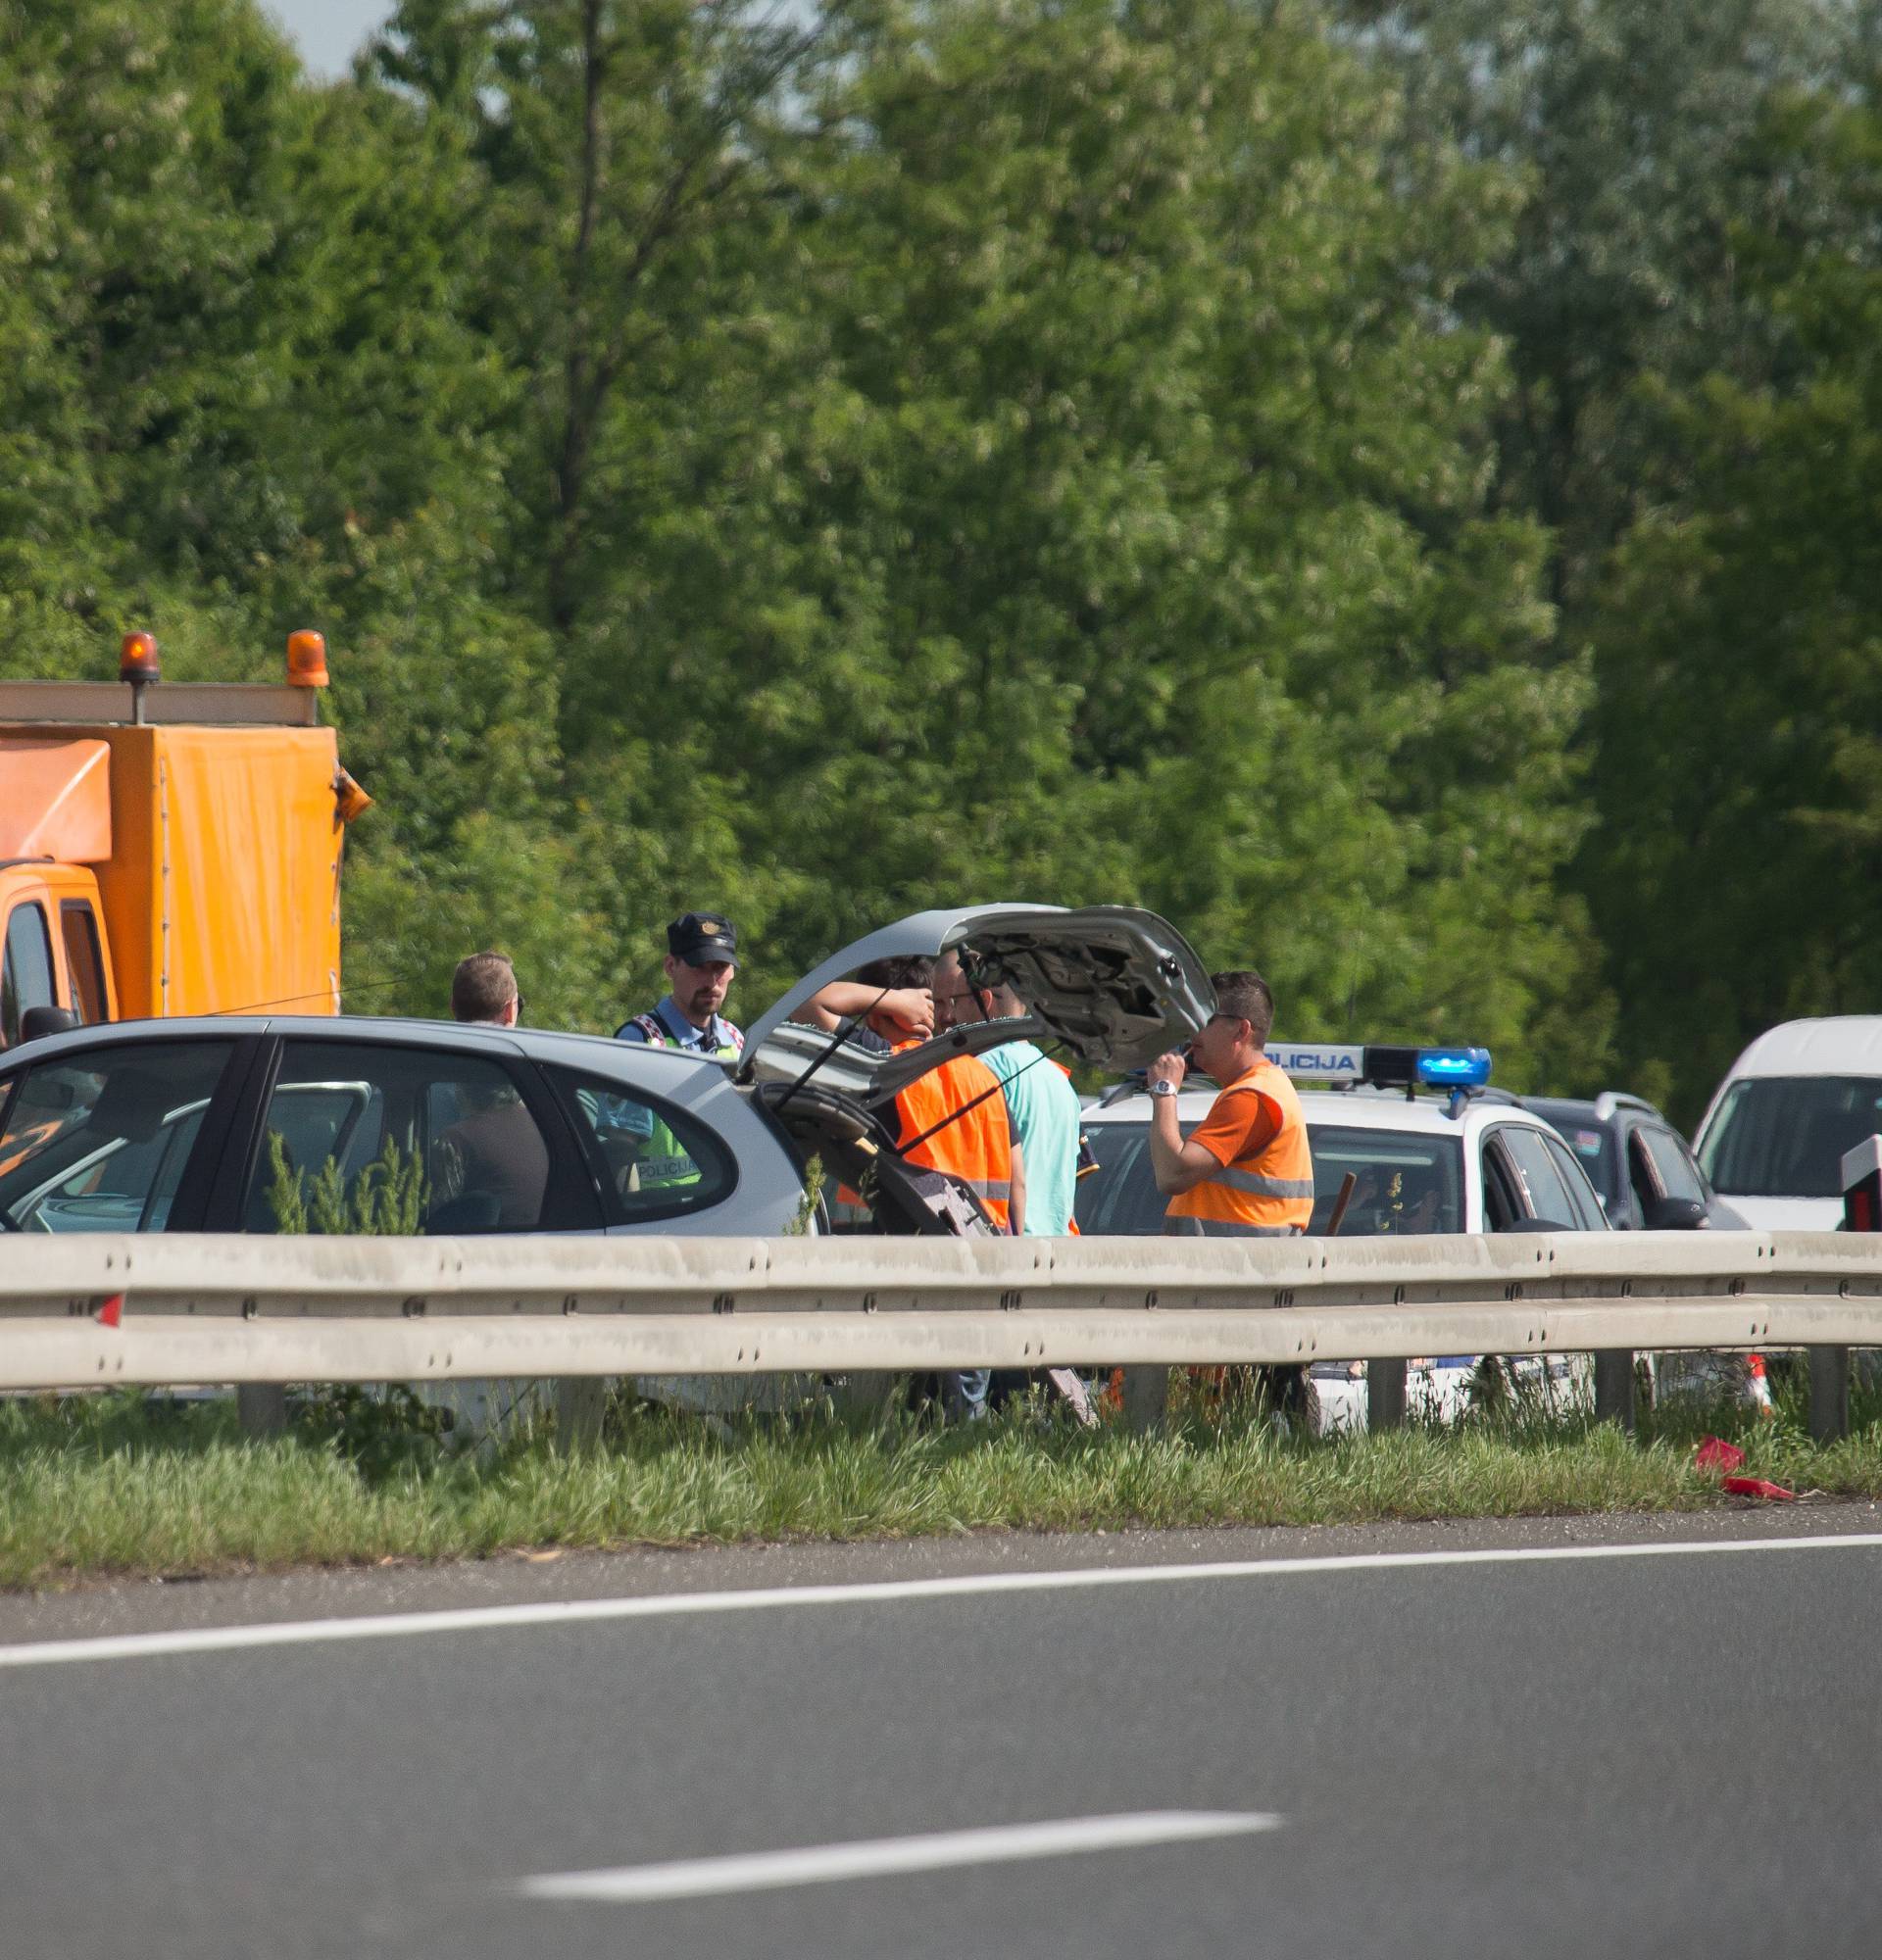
78,937
28,968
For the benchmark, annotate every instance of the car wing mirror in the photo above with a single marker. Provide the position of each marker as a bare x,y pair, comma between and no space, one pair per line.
1675,1214
36,1024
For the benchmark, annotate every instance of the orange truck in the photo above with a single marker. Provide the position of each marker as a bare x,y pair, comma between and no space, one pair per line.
169,849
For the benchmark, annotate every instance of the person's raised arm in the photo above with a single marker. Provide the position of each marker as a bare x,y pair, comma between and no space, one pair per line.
1177,1165
911,1008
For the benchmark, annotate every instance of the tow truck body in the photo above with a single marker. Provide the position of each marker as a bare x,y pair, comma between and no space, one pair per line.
170,850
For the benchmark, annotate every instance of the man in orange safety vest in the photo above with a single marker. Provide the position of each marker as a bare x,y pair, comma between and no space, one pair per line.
955,1119
1245,1171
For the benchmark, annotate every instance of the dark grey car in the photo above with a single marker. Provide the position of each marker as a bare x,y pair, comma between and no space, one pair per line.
1643,1169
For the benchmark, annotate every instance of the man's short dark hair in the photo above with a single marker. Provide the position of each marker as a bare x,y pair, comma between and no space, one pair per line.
1244,994
910,970
482,987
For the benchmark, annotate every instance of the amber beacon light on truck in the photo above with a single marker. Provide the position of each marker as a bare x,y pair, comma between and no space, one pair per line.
169,848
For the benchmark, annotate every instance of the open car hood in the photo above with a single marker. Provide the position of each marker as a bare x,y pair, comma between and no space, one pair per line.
1112,985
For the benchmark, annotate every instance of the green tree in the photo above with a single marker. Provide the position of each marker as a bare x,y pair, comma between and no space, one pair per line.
1635,133
1741,662
245,389
1131,533
819,466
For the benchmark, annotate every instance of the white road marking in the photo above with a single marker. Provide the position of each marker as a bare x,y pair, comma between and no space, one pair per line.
757,1600
935,1851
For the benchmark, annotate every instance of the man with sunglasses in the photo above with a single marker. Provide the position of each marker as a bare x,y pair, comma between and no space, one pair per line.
1245,1171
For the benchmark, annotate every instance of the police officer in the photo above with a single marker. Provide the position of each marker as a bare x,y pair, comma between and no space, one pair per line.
702,958
702,955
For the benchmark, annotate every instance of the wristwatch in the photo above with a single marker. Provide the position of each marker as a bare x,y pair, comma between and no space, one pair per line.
1163,1087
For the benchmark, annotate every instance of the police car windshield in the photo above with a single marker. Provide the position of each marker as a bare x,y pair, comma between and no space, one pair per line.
1784,1136
1405,1182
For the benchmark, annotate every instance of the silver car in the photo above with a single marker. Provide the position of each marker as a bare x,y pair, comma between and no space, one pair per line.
289,1123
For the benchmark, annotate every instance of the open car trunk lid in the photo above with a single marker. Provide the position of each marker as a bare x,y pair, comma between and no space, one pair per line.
1113,987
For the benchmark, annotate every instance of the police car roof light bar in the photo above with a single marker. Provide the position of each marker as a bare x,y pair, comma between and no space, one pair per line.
1332,1065
1341,1064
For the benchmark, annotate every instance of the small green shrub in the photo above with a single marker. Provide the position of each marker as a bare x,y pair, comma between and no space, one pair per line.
386,1200
382,1431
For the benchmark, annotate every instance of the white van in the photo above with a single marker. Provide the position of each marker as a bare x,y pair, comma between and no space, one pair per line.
1773,1139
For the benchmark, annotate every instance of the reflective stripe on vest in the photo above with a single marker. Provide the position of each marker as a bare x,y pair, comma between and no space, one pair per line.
977,1146
1268,1194
1264,1186
655,1033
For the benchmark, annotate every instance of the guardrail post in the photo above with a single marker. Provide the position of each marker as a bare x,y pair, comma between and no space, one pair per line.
261,1408
1829,1394
1146,1398
1614,1387
1385,1394
580,1400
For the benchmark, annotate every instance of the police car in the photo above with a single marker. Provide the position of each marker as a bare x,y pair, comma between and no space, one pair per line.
1426,1152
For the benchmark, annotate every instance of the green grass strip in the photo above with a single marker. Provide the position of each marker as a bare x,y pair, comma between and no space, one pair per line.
120,1484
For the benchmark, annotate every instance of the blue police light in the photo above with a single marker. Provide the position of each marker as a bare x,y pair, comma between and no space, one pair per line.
1454,1067
1341,1065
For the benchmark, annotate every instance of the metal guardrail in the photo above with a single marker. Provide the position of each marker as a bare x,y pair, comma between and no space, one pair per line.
230,1308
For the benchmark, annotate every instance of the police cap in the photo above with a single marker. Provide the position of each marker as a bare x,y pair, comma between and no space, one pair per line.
700,938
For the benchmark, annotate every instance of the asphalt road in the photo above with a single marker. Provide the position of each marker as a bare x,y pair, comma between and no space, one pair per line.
1531,1755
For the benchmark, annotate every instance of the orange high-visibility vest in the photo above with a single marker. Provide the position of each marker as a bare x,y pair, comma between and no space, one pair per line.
978,1147
1270,1195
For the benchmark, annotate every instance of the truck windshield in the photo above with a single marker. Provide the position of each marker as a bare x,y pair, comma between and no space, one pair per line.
1784,1136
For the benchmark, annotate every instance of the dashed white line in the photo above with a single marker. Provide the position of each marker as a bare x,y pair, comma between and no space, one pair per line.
775,1598
934,1851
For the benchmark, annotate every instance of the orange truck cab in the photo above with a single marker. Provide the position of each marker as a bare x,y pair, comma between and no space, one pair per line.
170,850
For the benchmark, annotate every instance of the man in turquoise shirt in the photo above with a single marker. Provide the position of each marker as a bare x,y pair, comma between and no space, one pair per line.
1043,1103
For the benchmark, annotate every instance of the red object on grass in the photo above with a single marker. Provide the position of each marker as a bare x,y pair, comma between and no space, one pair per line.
110,1312
1755,1487
1716,1454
